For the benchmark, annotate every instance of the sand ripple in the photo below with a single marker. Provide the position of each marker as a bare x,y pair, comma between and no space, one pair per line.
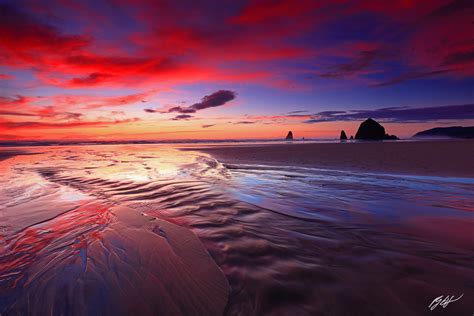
288,240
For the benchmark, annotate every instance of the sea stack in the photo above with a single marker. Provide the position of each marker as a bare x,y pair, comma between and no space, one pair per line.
371,130
289,136
343,135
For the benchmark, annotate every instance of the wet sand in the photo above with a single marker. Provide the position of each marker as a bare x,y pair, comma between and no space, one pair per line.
435,158
100,260
112,230
5,154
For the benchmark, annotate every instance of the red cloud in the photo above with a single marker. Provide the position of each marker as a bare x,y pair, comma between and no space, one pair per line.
95,102
16,100
26,40
61,103
26,106
116,64
25,103
9,125
171,51
251,41
443,40
15,113
91,79
5,76
267,10
116,101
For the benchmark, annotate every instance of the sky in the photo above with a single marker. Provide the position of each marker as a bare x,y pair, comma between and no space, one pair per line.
155,70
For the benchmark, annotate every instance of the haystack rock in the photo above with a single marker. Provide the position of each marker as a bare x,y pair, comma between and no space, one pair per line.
343,135
289,136
371,130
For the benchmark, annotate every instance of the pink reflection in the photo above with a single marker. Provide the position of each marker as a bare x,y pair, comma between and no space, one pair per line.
448,231
64,236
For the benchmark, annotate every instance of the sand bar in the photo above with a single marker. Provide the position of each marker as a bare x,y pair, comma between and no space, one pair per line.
453,158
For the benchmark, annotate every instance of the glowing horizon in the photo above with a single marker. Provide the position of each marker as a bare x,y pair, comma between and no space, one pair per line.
143,70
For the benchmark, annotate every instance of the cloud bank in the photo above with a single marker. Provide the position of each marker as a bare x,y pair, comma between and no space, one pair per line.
399,114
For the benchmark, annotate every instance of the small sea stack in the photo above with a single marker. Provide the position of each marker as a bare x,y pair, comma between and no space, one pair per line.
289,136
343,135
372,130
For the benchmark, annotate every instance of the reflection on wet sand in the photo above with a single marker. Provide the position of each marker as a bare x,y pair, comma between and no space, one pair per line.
111,230
97,260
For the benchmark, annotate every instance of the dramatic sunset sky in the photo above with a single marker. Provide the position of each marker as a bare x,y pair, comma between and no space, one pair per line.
123,69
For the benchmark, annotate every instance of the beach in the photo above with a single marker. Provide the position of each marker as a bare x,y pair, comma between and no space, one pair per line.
236,158
234,230
452,158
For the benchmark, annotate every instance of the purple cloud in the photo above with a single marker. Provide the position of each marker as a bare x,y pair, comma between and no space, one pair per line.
181,109
411,76
297,112
245,122
218,98
364,60
182,117
215,99
399,114
459,58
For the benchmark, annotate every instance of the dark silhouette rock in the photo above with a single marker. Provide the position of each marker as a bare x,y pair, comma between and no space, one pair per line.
343,135
371,130
447,132
390,137
289,136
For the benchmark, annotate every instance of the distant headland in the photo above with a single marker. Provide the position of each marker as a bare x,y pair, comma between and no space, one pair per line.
447,132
